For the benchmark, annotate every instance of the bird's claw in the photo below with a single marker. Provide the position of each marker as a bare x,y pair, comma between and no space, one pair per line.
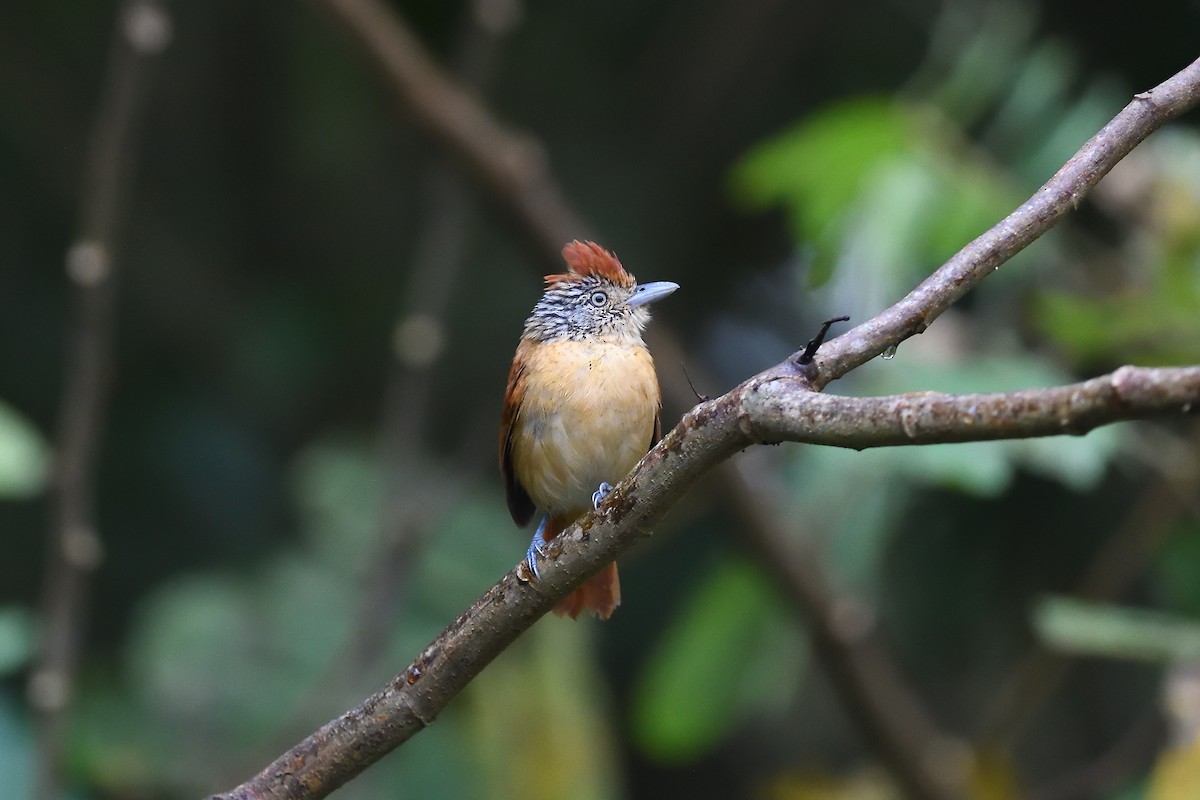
531,555
537,548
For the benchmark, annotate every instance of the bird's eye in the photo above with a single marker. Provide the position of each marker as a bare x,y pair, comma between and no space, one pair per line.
599,299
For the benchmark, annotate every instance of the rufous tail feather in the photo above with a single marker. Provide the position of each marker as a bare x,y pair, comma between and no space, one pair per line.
600,595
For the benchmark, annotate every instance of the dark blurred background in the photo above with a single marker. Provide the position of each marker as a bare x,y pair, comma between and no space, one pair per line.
315,313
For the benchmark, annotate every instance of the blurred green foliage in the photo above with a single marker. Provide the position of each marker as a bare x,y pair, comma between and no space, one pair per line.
272,229
1153,317
733,652
24,459
878,171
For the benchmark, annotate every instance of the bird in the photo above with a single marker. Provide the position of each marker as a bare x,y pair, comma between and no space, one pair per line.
582,405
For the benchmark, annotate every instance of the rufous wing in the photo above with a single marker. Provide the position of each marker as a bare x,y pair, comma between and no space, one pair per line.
520,505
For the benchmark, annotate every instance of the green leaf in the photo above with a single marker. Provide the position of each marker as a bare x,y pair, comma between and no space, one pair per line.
820,163
886,184
1153,316
730,653
1146,327
816,169
24,455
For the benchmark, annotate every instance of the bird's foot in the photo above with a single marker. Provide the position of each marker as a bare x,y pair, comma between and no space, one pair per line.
601,492
537,548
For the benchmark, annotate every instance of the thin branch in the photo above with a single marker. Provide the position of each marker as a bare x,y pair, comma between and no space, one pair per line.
418,345
75,549
774,409
413,501
1061,194
512,167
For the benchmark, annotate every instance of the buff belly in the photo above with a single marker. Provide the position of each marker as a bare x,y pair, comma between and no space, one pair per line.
600,423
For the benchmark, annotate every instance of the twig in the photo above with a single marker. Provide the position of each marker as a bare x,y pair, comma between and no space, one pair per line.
510,166
773,409
814,344
418,342
75,548
410,504
1062,193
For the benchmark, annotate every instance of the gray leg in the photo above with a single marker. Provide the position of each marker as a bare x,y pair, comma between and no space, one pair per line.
536,547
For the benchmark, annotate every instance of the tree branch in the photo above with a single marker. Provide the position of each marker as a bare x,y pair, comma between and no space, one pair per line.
513,168
779,409
525,190
764,408
760,410
406,516
1062,193
75,549
547,221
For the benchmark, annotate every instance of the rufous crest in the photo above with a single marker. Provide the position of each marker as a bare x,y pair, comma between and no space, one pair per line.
588,259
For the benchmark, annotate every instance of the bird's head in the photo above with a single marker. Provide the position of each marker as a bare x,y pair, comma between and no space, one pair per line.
594,298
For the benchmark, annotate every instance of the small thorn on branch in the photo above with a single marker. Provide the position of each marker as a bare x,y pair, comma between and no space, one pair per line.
810,349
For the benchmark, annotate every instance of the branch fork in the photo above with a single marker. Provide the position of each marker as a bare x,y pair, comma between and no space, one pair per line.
782,403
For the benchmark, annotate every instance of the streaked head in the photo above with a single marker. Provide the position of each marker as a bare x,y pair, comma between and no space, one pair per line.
595,297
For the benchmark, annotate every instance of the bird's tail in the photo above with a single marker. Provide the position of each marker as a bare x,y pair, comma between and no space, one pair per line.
600,595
